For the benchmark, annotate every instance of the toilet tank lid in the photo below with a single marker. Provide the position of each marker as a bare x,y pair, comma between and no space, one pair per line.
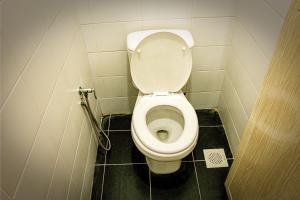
134,38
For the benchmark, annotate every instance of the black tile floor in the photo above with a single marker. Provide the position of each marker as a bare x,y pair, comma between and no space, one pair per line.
122,173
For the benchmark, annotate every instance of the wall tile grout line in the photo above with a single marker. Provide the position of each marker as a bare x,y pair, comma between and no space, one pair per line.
234,125
20,75
219,68
119,97
102,186
242,64
134,96
124,50
253,37
158,19
81,130
273,8
196,176
37,135
224,127
193,70
107,51
85,168
65,127
59,150
2,191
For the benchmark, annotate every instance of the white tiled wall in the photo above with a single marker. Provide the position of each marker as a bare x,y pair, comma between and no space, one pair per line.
105,25
47,151
255,33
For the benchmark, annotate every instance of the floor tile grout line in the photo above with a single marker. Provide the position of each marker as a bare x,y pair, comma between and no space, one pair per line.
199,191
102,186
204,160
116,164
150,183
144,163
125,130
149,173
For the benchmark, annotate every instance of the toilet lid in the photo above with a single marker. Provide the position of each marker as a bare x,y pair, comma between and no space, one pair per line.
162,62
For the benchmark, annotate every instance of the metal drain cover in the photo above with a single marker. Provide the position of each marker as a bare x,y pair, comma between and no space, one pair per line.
215,158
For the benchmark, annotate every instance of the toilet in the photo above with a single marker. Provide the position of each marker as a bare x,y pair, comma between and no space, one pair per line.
164,124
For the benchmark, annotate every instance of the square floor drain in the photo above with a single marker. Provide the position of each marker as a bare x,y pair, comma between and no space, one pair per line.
215,158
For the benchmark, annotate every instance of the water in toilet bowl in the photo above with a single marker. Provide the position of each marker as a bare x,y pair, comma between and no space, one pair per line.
166,123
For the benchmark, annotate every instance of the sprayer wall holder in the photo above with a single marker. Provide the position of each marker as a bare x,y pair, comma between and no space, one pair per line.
86,91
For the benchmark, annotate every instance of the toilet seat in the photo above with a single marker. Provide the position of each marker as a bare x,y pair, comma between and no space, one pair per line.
188,135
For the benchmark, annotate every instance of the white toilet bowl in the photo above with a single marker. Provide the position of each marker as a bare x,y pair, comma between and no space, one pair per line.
164,124
165,130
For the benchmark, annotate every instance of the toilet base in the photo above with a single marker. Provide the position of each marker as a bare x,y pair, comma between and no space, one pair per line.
163,167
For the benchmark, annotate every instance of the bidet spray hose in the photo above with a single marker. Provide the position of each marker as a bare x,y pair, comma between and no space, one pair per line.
96,127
